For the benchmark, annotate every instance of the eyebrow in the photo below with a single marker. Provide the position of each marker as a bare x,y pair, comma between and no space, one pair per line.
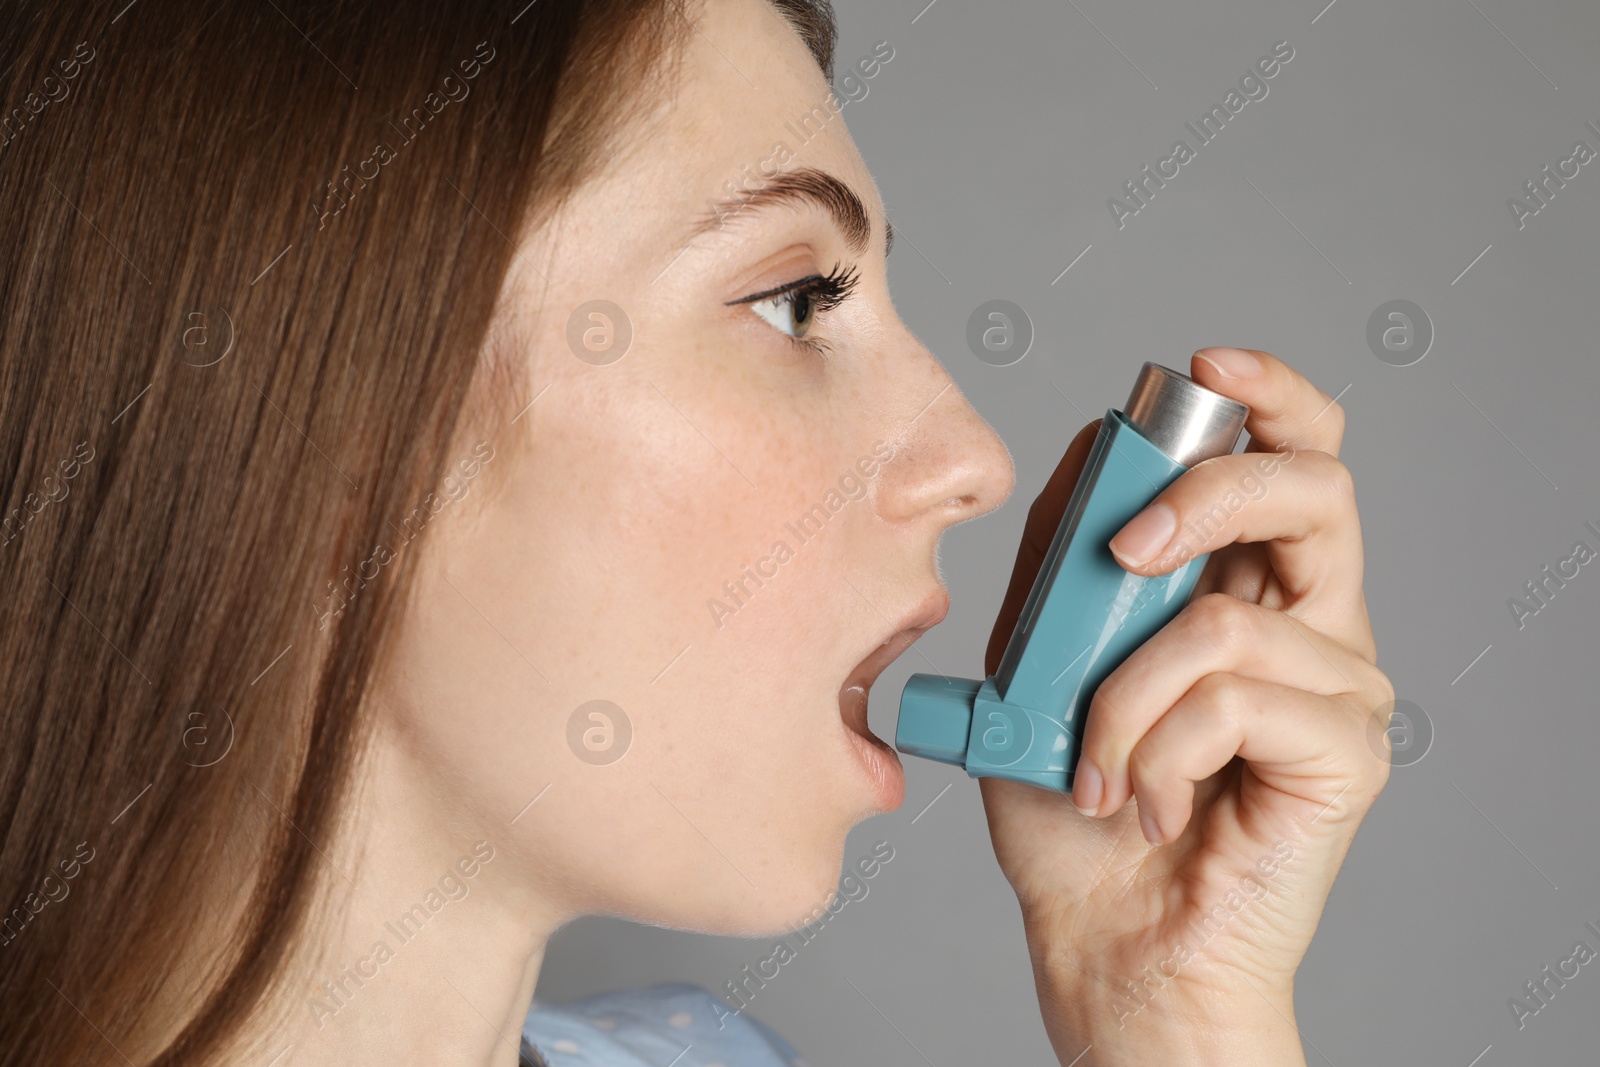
806,186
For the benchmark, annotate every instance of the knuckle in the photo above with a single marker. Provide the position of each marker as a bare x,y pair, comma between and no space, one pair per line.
1375,708
1383,687
1222,620
1334,413
1371,780
1378,779
1219,698
1341,483
1223,706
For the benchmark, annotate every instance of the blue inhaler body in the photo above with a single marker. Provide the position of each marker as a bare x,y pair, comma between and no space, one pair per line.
1085,614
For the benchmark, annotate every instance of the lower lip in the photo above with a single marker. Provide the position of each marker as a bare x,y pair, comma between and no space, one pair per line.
883,770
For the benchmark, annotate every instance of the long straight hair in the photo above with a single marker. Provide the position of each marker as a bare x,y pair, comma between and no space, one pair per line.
249,254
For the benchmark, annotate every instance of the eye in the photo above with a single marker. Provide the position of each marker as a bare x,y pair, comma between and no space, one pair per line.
793,309
790,313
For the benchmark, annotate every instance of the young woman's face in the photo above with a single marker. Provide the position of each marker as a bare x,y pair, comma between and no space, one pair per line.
713,517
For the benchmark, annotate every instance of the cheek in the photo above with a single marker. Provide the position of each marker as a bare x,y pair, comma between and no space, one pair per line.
638,566
686,523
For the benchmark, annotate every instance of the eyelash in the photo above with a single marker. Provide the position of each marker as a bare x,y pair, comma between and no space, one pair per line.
826,292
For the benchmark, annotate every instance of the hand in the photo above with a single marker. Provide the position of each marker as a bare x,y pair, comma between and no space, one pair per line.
1249,732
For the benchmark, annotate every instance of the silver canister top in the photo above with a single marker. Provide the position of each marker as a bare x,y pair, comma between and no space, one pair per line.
1183,418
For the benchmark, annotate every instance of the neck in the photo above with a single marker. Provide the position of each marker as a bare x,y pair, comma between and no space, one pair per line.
429,952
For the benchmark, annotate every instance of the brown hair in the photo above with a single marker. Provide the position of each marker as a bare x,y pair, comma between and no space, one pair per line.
237,340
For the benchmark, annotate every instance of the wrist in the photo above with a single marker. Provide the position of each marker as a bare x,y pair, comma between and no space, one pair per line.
1232,1034
1095,1019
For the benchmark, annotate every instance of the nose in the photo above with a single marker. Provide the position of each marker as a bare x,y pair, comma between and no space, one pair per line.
949,464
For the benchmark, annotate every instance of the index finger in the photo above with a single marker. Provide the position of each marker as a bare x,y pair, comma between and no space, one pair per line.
1286,410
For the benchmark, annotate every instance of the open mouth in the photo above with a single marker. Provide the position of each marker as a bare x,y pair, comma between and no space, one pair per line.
857,686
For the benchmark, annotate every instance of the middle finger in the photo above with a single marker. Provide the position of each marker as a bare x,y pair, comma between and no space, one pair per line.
1214,633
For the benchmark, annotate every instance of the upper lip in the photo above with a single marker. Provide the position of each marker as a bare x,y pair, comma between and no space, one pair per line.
924,617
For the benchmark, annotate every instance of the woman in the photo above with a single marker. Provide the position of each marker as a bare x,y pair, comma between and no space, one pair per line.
393,393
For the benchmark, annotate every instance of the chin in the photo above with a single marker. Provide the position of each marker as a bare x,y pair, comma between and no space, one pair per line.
787,894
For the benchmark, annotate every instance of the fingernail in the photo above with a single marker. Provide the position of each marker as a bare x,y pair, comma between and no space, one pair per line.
1087,788
1233,362
1147,823
1146,534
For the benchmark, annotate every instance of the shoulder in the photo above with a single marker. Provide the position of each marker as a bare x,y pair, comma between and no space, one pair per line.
671,1022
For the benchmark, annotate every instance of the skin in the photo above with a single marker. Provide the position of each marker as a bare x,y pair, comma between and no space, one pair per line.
580,562
1250,731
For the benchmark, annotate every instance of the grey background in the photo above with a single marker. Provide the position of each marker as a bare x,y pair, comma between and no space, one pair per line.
1391,142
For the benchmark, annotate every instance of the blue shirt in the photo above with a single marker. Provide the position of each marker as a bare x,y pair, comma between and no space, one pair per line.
672,1023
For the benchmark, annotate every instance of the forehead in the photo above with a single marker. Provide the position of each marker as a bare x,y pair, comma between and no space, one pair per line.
745,99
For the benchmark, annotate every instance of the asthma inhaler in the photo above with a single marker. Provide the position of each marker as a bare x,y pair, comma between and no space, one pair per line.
1085,613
